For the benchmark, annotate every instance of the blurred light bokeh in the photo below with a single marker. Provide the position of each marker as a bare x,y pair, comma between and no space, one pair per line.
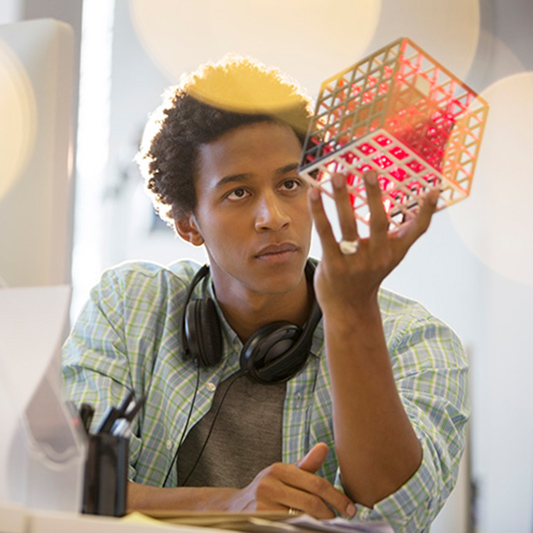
448,30
308,41
496,224
18,122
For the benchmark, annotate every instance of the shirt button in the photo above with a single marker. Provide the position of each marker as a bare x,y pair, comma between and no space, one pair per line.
169,444
211,387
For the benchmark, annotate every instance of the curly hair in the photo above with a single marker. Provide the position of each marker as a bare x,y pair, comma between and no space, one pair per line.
215,99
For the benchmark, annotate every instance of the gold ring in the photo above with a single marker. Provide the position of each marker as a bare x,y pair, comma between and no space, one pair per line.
293,511
349,247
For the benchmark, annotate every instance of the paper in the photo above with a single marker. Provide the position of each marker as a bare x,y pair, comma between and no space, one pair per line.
338,525
139,518
267,522
213,518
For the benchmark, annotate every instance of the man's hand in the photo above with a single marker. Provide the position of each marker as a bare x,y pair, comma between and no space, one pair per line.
346,281
279,487
282,486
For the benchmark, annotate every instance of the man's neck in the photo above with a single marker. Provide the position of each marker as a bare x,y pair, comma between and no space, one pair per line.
246,312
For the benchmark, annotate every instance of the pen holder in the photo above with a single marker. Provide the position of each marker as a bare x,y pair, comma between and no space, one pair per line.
106,475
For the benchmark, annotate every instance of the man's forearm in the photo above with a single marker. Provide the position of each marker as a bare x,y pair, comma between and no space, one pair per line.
278,487
377,448
144,497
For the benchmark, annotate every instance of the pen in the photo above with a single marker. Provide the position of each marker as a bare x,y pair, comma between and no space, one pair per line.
121,428
119,420
86,415
122,425
132,411
114,414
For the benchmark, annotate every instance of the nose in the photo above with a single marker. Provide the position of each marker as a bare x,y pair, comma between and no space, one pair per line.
271,214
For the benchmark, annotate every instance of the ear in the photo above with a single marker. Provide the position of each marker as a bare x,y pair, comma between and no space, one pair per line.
187,228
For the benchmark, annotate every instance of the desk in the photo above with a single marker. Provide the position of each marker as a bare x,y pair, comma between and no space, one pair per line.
16,519
24,521
51,522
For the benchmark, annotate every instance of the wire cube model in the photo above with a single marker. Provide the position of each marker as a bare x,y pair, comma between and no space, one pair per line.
401,113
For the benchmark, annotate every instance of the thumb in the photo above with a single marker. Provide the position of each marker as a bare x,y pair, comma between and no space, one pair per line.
314,459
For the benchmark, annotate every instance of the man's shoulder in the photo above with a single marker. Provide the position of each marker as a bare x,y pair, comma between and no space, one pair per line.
184,269
141,275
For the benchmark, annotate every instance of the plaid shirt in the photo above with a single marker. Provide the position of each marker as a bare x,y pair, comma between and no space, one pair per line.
128,338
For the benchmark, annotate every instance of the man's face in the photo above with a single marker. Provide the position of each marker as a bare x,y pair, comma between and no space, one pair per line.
252,210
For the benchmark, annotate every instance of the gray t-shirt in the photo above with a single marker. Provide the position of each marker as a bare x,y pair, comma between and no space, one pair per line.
246,437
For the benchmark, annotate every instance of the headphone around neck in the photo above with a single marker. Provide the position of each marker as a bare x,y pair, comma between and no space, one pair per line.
275,353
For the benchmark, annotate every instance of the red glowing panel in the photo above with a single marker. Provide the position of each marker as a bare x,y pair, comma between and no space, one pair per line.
401,113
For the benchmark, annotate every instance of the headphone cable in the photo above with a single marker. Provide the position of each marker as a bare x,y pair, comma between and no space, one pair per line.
186,423
235,377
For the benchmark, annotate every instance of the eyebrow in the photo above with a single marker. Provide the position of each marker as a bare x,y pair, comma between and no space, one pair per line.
240,178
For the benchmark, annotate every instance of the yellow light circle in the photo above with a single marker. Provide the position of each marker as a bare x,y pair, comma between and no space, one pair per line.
18,119
496,222
244,87
308,40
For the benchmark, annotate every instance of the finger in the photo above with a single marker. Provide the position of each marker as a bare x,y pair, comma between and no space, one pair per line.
322,225
379,222
289,486
309,504
314,459
344,207
420,223
312,487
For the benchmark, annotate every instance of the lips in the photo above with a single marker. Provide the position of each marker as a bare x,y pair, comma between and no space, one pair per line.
277,249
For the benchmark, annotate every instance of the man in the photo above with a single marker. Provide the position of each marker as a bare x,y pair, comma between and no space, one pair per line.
372,419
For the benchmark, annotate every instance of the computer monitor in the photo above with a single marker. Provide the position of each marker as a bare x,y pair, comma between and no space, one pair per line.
36,189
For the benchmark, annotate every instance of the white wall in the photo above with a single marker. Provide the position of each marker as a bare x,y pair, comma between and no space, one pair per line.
9,11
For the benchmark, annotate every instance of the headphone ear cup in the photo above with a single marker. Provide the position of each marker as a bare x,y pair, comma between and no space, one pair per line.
267,356
203,331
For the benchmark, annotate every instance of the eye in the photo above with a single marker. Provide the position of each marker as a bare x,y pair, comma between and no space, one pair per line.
291,184
238,194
